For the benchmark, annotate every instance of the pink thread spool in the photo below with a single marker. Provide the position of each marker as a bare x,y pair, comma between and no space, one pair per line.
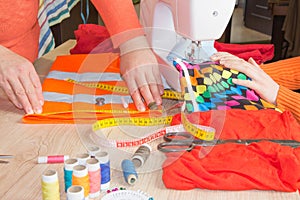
93,166
52,159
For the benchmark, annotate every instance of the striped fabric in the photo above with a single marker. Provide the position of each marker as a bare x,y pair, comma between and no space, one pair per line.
68,102
51,12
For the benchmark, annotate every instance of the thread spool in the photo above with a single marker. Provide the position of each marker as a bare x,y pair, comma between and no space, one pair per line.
68,171
75,192
141,155
93,150
50,185
103,158
80,177
52,159
82,158
93,166
129,172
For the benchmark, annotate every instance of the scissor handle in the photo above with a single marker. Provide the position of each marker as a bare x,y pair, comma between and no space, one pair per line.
178,137
168,147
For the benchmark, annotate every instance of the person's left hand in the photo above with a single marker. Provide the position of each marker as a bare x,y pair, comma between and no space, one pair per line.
260,82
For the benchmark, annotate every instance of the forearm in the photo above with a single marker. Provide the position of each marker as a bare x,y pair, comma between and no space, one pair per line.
120,19
285,72
289,100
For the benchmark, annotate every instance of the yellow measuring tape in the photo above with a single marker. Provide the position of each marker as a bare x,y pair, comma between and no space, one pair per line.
206,133
168,94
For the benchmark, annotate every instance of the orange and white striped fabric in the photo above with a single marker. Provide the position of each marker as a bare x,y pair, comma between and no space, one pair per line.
68,102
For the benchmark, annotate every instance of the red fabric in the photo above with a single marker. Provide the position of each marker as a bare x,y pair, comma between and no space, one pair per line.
262,165
259,52
90,39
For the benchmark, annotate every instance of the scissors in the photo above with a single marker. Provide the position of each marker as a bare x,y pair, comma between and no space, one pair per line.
5,157
184,141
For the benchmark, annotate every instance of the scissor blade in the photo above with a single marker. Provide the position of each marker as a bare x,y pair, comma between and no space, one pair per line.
3,162
291,143
6,156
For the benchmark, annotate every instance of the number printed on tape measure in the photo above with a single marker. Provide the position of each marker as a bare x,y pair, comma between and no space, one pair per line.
168,94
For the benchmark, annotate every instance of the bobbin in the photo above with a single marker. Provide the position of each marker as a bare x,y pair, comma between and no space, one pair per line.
129,172
75,192
50,185
103,158
141,155
82,158
69,164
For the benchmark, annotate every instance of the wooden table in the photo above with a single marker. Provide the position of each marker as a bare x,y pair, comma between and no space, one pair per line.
21,178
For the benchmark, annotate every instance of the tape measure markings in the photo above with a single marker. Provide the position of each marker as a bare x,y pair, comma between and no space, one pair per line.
168,94
201,132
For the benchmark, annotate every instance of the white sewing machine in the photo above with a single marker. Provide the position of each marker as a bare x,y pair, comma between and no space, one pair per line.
185,29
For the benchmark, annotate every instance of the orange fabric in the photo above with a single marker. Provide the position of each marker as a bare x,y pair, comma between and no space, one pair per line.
287,74
120,19
19,29
82,112
263,165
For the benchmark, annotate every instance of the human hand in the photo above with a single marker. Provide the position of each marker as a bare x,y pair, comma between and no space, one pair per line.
141,72
260,82
20,82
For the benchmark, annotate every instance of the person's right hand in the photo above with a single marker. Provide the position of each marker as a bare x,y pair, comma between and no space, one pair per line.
141,72
20,82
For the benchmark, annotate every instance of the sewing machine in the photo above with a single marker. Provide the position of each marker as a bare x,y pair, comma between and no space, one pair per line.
185,29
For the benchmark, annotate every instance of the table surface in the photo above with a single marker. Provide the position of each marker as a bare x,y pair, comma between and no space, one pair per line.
21,177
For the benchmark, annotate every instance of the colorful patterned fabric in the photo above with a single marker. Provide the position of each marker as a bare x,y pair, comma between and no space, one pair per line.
212,88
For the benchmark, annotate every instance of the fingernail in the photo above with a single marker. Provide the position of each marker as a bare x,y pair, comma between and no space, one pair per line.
38,110
29,111
161,91
158,101
141,108
41,102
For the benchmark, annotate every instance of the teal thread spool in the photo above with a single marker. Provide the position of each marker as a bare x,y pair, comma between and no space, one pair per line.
129,172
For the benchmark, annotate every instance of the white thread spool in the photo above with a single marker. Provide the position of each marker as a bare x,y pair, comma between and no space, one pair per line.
93,150
82,158
75,192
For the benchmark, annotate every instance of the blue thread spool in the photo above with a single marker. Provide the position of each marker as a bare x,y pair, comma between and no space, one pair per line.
105,169
129,172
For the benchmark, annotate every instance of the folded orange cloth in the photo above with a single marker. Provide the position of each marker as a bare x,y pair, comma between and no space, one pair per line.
69,102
